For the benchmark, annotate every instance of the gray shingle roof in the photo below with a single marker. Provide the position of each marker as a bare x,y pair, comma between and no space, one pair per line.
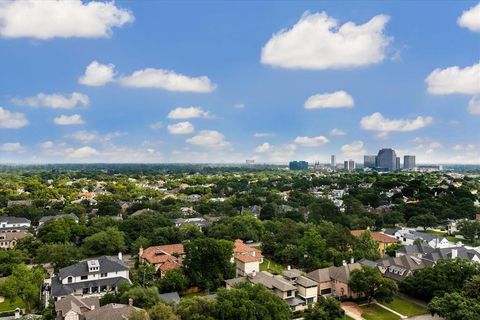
112,311
305,282
107,264
170,297
60,216
9,220
59,289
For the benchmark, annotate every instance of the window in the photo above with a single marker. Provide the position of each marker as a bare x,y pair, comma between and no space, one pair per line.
103,275
84,277
289,293
85,290
326,291
69,279
309,300
103,288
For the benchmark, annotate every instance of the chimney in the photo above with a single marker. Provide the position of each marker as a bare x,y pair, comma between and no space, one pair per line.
92,307
120,256
352,260
289,268
454,253
17,313
344,263
130,302
254,273
140,253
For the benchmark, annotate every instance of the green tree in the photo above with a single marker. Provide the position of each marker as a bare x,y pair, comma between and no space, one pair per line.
454,306
142,297
173,280
471,288
108,242
207,262
198,308
326,308
372,284
138,314
424,220
470,230
24,283
61,230
162,311
59,255
364,247
145,276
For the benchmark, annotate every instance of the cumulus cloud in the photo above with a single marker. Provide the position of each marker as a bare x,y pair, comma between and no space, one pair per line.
60,19
12,147
81,153
64,120
12,120
156,126
464,147
474,106
97,74
239,105
311,141
353,149
470,19
210,139
454,80
377,122
319,42
168,80
86,137
263,134
337,132
54,100
338,99
188,113
184,127
264,147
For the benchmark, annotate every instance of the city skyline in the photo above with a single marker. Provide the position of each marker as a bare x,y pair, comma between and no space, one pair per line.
170,82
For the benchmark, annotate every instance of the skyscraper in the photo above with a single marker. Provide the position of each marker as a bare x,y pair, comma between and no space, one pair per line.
409,162
397,166
387,160
333,162
369,161
349,165
298,165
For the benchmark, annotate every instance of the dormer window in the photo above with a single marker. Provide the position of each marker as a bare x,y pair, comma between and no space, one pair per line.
69,279
93,265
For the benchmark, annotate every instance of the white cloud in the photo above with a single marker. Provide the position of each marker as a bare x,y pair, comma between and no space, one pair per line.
311,141
93,136
81,153
264,147
317,41
12,147
184,127
188,113
156,126
12,120
239,105
63,19
470,19
464,147
454,80
377,122
474,106
338,99
64,120
167,80
210,139
263,134
97,74
337,132
54,100
353,149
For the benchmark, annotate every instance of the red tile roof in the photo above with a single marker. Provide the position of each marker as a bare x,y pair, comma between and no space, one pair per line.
245,253
163,256
377,236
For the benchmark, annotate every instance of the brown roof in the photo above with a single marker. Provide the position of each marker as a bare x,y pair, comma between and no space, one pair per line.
377,236
245,253
112,311
164,256
9,236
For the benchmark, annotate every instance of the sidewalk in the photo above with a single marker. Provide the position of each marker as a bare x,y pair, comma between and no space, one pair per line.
352,310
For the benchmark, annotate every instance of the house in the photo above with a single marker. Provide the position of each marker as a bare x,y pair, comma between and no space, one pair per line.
333,281
418,250
13,224
112,311
247,259
399,268
307,289
383,240
170,297
194,197
164,258
199,222
408,237
57,217
11,203
8,240
90,277
74,308
452,253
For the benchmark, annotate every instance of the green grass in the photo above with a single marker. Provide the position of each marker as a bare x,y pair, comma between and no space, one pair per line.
406,307
8,306
191,295
374,312
435,232
271,266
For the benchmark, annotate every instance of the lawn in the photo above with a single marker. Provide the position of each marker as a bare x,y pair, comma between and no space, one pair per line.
191,295
271,266
406,307
374,312
8,306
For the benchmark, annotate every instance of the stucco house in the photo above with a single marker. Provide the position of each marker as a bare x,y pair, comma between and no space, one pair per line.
164,258
8,240
247,259
333,281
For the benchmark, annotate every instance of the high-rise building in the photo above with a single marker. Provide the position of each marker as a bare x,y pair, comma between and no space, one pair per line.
333,161
298,165
398,164
409,162
349,165
369,161
387,160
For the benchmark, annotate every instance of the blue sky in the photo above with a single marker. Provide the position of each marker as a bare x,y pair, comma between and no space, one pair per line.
146,81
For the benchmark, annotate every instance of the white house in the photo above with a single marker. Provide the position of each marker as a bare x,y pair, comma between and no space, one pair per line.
408,237
13,224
